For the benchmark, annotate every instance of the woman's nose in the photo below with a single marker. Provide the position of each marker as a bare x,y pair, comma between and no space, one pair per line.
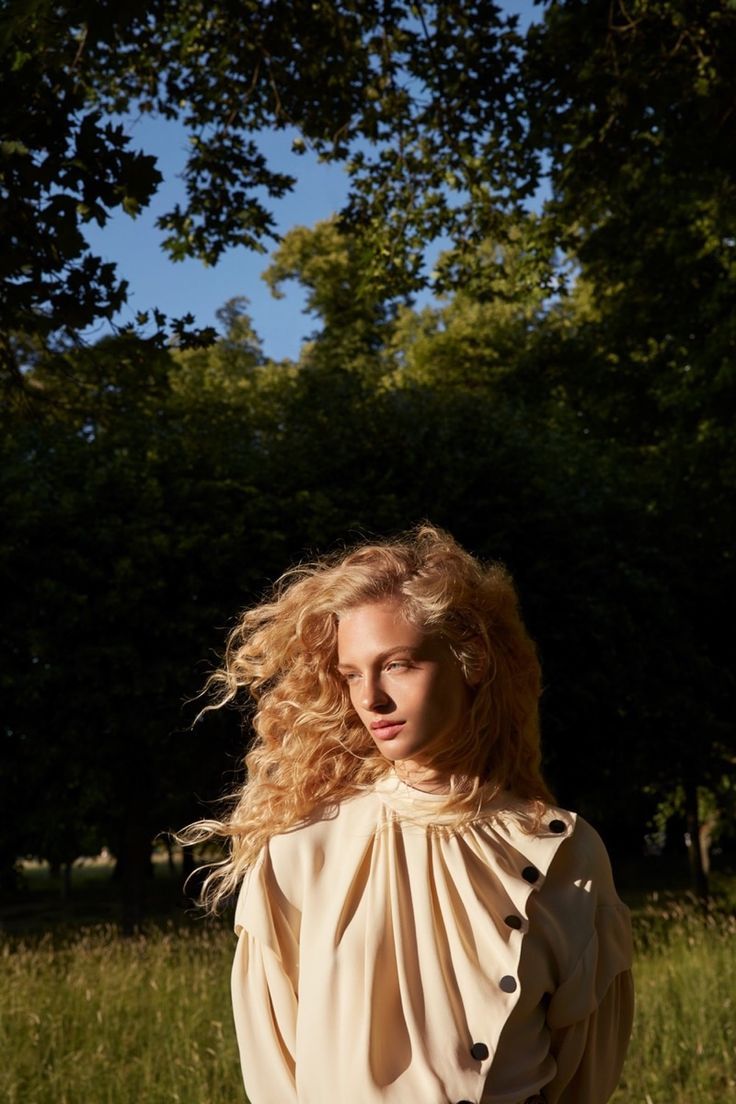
373,694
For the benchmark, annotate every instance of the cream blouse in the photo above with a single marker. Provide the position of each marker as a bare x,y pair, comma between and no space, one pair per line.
386,955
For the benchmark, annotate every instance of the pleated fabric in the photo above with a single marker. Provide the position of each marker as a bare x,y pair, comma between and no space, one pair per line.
386,954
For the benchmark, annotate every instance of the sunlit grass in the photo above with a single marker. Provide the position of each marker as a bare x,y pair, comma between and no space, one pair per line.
91,1018
683,1049
98,1019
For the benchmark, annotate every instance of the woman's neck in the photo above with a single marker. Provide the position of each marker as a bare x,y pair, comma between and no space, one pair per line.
422,778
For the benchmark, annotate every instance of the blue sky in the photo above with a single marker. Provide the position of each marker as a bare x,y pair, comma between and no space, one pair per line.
134,244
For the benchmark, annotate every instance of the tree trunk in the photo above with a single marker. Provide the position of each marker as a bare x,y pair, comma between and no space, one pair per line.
698,875
187,863
9,873
707,828
66,879
133,869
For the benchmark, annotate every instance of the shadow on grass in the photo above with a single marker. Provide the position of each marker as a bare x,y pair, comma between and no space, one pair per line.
42,903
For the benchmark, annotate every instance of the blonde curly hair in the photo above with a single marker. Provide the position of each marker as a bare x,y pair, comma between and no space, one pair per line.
310,750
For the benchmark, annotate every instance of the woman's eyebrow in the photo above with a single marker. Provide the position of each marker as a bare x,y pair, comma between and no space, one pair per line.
412,649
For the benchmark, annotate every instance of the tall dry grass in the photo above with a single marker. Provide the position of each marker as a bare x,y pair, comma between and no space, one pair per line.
94,1019
683,1048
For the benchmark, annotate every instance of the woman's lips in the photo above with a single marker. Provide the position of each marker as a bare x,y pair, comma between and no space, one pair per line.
383,730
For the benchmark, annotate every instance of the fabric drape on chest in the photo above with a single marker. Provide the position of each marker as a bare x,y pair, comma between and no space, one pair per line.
382,948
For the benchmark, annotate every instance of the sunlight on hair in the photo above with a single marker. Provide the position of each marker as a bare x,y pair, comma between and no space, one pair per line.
310,750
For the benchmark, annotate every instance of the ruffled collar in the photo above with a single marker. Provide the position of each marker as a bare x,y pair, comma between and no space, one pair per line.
509,819
428,807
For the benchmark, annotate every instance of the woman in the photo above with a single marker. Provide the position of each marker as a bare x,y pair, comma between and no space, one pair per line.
417,923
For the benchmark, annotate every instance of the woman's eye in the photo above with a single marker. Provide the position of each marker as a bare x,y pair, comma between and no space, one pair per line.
401,664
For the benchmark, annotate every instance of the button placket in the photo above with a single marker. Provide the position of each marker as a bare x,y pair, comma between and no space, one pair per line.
534,878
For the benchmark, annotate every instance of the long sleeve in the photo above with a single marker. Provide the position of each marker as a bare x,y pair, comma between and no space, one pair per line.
265,987
591,1013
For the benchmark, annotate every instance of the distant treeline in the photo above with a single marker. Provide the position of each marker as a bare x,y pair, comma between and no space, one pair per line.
150,495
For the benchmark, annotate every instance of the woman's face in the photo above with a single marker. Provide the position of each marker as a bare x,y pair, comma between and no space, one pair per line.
405,684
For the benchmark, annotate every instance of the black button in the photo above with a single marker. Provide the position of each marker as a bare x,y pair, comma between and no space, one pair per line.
479,1051
508,984
557,826
513,922
530,873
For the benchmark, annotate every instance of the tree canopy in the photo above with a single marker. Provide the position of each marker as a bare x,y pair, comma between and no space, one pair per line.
443,115
416,106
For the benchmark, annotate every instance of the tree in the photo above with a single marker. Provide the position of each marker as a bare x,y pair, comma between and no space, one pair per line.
354,320
634,104
417,105
129,503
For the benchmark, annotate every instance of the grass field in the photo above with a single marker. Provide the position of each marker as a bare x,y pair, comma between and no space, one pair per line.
90,1018
683,1049
95,1019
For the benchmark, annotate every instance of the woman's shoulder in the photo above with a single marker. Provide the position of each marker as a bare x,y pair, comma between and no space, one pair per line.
566,844
325,820
294,857
581,867
586,856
